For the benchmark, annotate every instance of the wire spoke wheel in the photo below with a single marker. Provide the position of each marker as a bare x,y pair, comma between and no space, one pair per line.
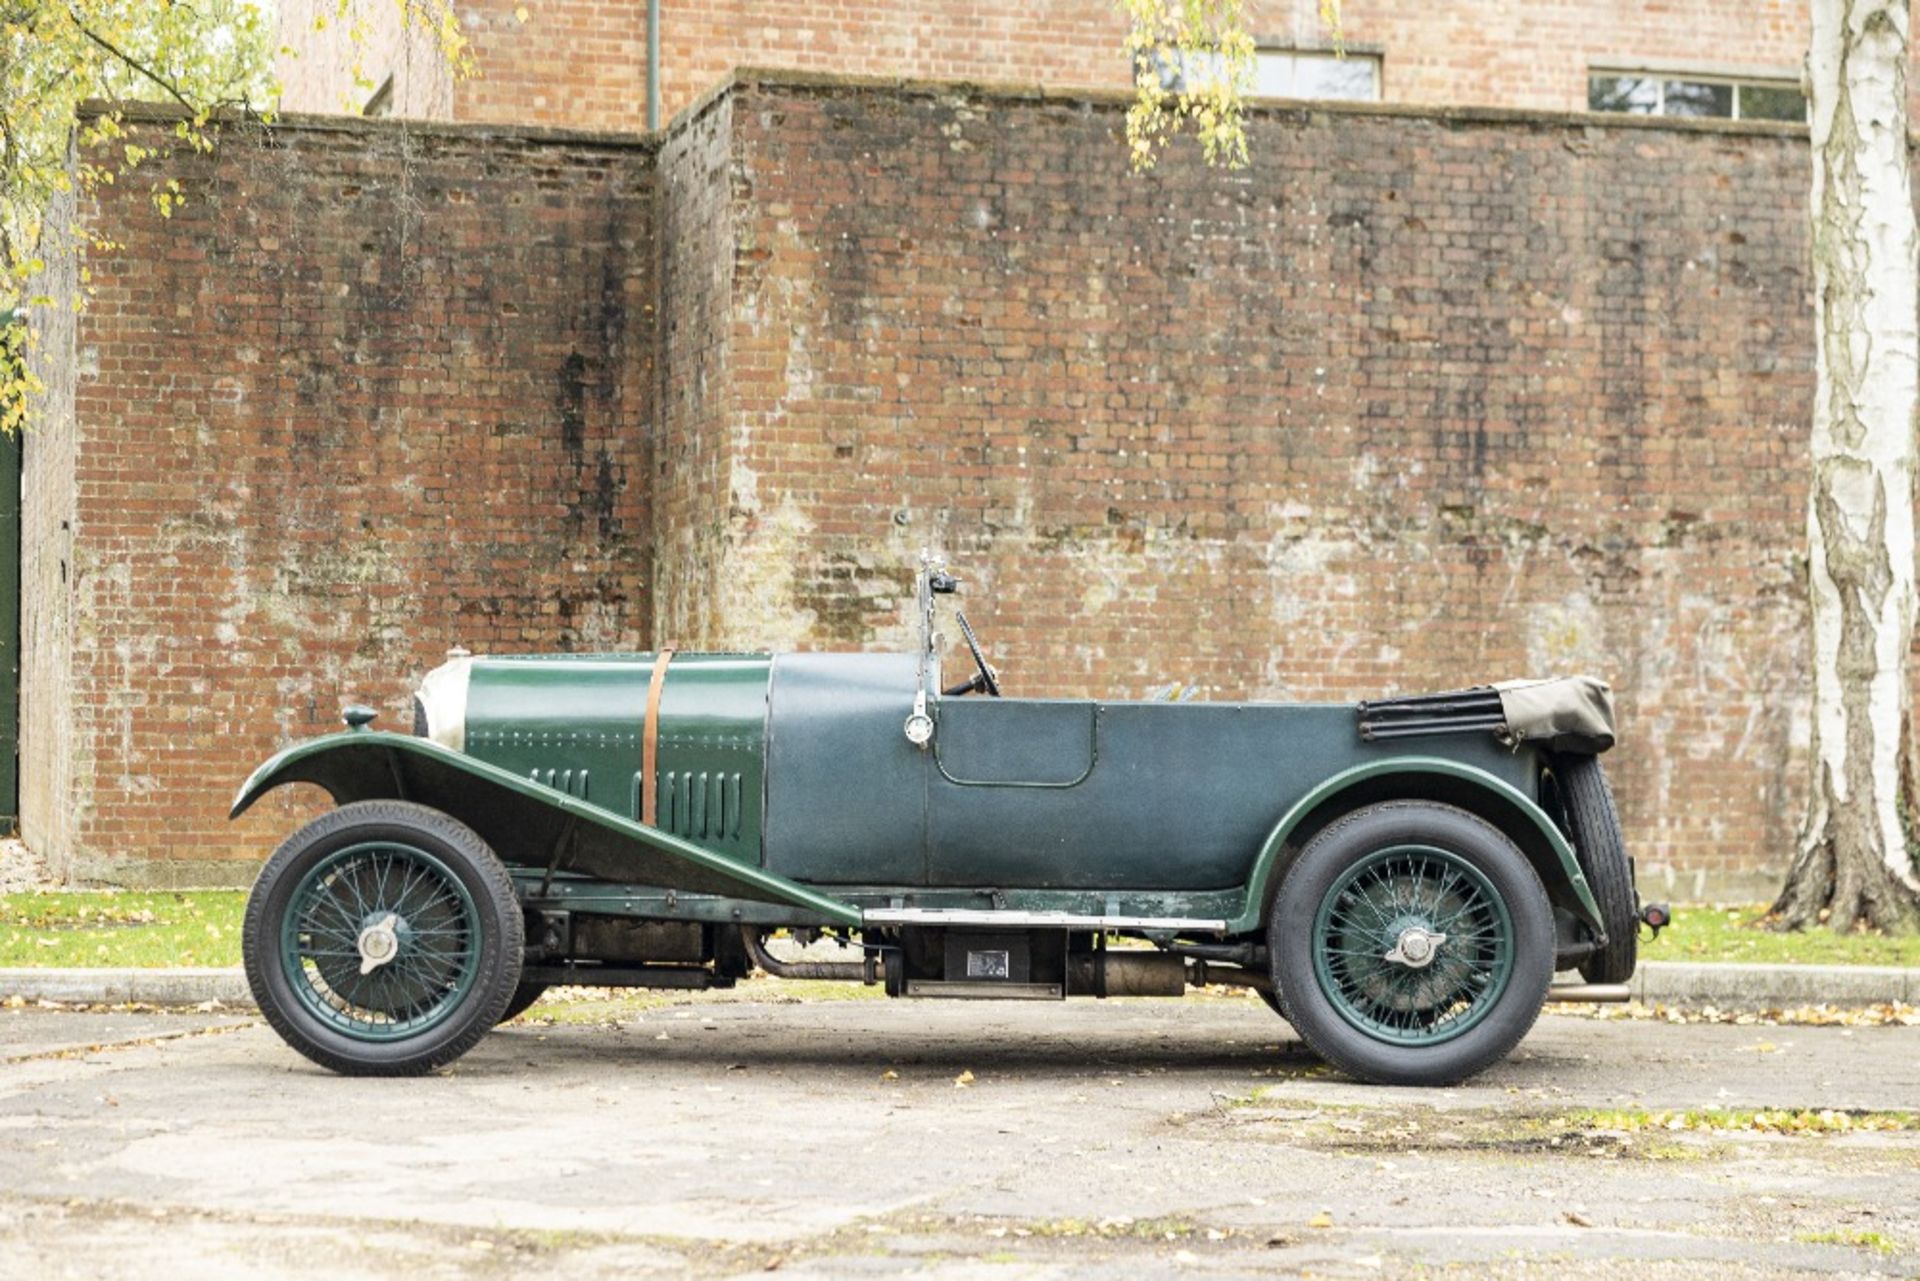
1412,945
384,938
380,941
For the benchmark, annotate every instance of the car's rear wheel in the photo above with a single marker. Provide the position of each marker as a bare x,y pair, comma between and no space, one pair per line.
1587,801
383,939
1412,944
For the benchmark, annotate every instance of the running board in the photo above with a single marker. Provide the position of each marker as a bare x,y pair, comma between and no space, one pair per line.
1035,920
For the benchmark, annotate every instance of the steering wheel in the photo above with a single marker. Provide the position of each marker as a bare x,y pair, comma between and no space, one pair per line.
982,679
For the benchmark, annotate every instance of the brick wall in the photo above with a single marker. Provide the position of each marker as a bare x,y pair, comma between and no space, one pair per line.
1421,398
692,452
344,60
1415,401
583,62
371,393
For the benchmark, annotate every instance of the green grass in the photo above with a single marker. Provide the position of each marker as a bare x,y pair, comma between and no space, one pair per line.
202,927
1875,1241
111,928
1736,934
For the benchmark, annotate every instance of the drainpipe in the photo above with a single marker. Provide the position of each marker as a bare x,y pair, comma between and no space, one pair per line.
653,65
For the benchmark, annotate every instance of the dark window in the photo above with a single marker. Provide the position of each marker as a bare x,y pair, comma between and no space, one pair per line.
1638,94
1696,98
1635,95
1772,102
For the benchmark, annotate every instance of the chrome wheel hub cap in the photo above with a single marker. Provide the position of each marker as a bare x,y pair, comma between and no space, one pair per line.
1416,947
379,943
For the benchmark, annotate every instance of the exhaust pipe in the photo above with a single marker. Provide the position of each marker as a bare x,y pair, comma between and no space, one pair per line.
1126,973
862,971
1200,974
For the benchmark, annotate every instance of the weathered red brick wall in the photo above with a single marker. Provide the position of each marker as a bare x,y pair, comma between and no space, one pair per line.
693,444
373,392
1413,402
1420,399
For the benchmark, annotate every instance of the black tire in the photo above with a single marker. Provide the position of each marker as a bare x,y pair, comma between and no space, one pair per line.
1358,837
524,995
1595,827
459,1020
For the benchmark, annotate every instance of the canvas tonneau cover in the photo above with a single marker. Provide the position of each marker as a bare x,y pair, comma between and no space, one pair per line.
1560,714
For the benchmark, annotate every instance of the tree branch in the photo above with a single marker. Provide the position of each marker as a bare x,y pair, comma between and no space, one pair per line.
129,60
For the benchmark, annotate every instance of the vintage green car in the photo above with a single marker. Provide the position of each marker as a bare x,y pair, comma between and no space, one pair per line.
1399,880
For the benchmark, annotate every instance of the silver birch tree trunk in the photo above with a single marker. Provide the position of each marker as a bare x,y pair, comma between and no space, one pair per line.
1853,861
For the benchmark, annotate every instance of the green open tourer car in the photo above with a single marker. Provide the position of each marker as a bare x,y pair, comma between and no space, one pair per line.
1400,880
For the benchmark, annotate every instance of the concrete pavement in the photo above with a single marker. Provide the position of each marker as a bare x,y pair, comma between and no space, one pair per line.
1662,982
835,1138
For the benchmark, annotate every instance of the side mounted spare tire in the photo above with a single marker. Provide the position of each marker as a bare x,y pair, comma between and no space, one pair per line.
1412,944
1594,824
383,939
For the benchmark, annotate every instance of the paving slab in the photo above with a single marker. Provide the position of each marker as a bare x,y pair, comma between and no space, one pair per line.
30,1033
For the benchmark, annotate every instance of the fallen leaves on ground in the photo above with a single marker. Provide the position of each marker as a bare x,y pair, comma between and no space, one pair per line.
1763,1120
1883,1014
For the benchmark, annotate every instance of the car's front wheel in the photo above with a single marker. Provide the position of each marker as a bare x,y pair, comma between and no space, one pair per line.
524,996
383,939
1412,944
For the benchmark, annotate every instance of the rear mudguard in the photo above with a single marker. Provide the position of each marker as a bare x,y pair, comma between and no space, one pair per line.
1427,778
526,823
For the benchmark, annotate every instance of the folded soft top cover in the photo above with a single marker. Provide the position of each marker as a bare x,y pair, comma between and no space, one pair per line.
1563,714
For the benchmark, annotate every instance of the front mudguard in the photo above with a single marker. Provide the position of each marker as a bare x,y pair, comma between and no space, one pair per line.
527,823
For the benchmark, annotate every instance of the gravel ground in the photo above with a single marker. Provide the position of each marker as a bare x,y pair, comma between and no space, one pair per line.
948,1140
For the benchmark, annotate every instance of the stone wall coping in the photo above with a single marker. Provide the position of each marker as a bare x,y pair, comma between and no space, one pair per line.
820,81
159,113
753,77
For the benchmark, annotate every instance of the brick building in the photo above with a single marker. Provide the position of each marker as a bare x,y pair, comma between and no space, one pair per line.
582,63
1432,392
1423,396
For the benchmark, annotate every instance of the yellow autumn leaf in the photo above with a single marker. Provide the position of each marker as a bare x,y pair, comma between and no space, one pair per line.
962,1081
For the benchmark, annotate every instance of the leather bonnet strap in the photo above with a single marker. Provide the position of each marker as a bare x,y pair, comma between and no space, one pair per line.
650,743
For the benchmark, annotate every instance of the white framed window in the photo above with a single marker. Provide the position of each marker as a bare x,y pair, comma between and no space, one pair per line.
1293,73
1668,93
1290,73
